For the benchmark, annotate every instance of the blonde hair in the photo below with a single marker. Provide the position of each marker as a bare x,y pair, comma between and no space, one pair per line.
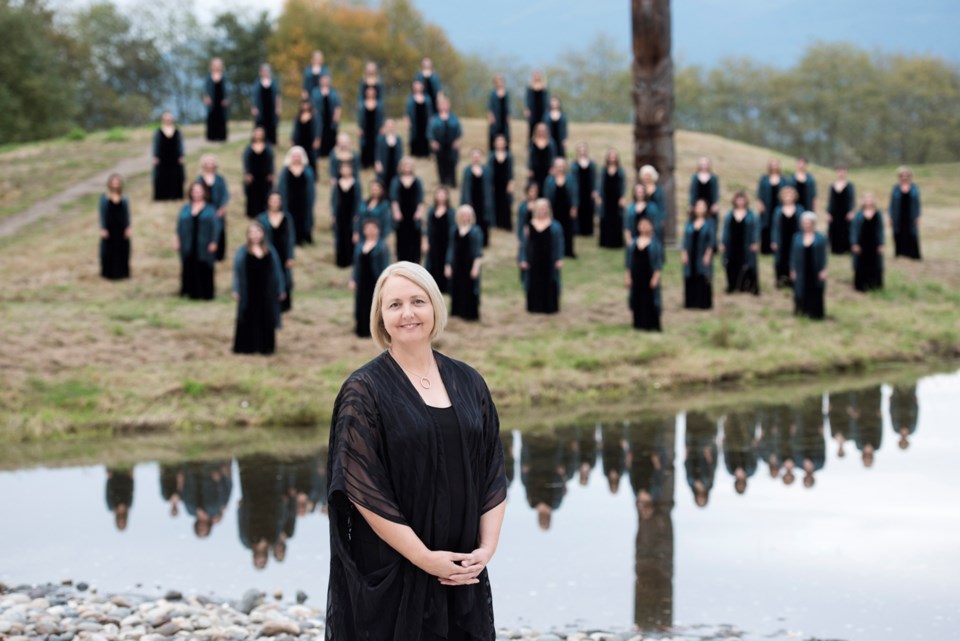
651,171
466,209
903,169
205,158
296,149
420,277
546,203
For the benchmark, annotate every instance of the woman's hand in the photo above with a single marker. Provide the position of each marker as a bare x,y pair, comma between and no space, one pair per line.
445,566
470,568
104,234
212,248
524,265
855,249
448,271
774,246
475,273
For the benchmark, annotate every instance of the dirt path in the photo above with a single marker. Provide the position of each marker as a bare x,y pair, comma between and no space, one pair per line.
129,167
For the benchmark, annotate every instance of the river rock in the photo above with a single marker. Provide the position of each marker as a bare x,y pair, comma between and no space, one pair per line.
606,636
120,602
301,597
133,633
277,627
548,637
168,629
39,603
88,626
250,600
46,627
5,626
83,587
14,599
173,595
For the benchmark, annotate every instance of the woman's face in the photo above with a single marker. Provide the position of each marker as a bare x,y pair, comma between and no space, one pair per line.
476,156
869,202
788,197
541,211
639,193
254,234
371,231
442,197
376,190
259,135
807,224
197,193
645,227
740,202
296,160
500,143
115,184
700,209
407,312
274,202
167,120
209,166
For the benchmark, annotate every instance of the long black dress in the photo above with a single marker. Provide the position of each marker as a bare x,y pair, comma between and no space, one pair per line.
260,167
611,222
439,243
561,213
839,206
328,138
811,302
478,197
368,146
267,118
586,208
501,197
168,174
788,227
280,234
408,229
541,160
297,206
196,280
737,278
542,294
646,314
465,300
366,282
905,241
697,291
115,248
216,114
304,139
869,272
801,188
256,333
346,209
765,232
419,143
538,107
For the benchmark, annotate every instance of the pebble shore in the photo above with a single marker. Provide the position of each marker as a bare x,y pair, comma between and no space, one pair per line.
67,612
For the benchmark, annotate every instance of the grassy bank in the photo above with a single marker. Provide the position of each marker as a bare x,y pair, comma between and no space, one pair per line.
86,357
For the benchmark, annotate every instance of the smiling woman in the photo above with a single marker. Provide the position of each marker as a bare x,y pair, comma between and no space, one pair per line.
417,480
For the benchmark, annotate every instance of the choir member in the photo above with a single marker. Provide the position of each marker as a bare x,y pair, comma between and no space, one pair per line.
642,205
345,202
540,156
868,422
561,190
196,241
370,120
536,101
768,199
614,454
498,112
218,195
806,186
840,211
740,244
866,243
464,256
376,206
700,459
168,158
258,168
370,257
258,289
326,102
370,80
704,185
610,196
477,191
644,265
430,79
114,231
419,111
786,223
585,172
312,74
541,260
278,226
699,238
120,495
306,133
297,188
905,215
809,448
389,151
216,99
439,223
556,122
841,421
500,165
904,409
808,268
406,203
649,177
524,215
266,103
342,153
740,449
445,133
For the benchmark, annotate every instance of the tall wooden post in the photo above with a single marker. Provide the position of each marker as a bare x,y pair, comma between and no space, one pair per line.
653,99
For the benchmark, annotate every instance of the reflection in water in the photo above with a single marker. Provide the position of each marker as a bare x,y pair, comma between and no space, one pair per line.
904,409
700,459
120,494
543,474
614,452
740,447
867,423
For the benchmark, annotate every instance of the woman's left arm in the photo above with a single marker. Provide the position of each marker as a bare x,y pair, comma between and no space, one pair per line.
490,523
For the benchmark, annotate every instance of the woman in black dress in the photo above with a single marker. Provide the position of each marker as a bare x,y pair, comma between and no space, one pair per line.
806,186
867,241
371,256
406,203
389,152
277,224
216,99
410,527
768,199
419,111
536,101
370,121
326,101
541,260
740,244
498,112
257,172
642,206
376,206
313,73
306,133
370,80
840,211
266,103
445,133
786,223
196,242
345,201
477,191
430,79
258,290
168,157
556,122
500,164
704,185
610,197
644,265
439,224
218,195
905,215
298,190
114,231
808,268
561,190
584,172
542,152
464,256
699,238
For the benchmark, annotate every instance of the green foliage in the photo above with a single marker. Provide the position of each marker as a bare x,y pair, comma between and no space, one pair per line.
240,40
193,388
76,134
117,134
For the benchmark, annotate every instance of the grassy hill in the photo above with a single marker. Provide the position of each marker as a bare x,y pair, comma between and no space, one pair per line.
85,356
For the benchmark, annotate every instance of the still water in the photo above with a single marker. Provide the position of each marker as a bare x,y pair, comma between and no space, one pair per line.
834,518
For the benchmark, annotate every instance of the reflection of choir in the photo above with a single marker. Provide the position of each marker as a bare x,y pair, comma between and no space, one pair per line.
903,412
205,490
543,474
867,423
120,494
809,448
700,460
740,448
266,513
613,453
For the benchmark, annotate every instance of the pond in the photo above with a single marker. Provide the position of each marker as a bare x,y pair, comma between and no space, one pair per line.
835,517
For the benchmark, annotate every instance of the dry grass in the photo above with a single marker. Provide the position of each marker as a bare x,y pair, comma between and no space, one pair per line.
85,356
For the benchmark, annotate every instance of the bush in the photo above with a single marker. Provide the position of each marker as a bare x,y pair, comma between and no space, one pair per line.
77,134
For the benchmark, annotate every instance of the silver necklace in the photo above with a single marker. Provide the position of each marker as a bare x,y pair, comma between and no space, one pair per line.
424,381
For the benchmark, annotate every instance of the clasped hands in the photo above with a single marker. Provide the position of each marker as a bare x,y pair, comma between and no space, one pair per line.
456,568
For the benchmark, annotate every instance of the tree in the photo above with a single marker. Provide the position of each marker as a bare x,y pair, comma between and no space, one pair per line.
591,82
241,41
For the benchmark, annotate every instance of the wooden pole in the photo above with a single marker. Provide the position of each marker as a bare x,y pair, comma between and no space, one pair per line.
653,100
